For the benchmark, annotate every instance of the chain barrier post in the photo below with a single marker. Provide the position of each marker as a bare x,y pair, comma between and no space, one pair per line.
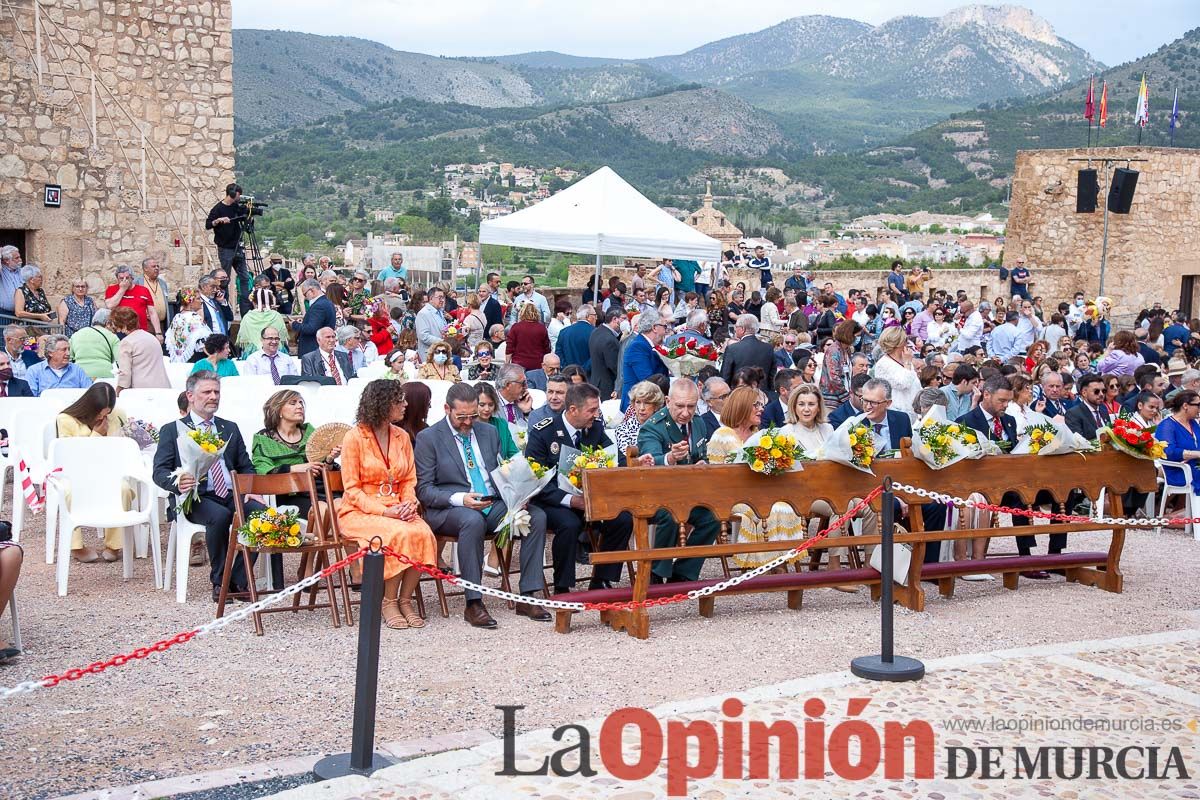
362,758
887,666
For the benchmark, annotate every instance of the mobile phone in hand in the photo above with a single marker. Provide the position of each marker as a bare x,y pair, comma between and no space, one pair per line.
489,498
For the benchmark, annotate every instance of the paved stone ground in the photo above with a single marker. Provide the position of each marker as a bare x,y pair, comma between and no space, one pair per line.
1154,677
223,702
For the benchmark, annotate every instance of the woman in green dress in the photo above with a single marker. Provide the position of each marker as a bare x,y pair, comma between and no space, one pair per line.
218,358
263,315
489,401
282,444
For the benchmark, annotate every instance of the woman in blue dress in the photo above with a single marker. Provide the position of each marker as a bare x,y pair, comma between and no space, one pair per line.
1180,432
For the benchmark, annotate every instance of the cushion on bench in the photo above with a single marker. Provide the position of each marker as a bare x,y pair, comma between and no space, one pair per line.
783,580
1007,563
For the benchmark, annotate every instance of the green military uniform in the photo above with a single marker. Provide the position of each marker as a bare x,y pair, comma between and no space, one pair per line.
656,437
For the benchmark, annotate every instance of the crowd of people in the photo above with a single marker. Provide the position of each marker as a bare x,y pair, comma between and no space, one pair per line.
795,355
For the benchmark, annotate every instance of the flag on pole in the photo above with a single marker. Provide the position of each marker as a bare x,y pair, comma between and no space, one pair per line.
1103,104
1142,115
1089,105
1175,110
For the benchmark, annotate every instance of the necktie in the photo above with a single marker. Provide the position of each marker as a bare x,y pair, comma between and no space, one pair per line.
216,473
878,428
511,416
274,370
333,370
1099,421
478,483
3,390
997,428
575,439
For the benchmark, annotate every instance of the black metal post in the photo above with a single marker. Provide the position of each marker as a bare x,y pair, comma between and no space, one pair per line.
887,666
362,758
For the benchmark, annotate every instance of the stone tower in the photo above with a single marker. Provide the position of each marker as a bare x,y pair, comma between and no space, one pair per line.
714,223
128,107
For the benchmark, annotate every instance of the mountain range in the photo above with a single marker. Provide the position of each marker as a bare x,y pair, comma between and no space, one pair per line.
837,114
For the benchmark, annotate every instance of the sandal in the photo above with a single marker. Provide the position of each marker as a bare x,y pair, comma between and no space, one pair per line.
392,616
411,618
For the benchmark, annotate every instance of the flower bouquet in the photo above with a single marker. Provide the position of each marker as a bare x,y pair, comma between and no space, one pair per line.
632,309
451,331
686,358
1132,439
940,443
572,463
271,527
520,434
517,480
852,444
142,432
1045,437
198,451
770,452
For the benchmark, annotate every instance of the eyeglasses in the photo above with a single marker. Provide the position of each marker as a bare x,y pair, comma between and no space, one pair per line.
872,403
270,338
465,417
526,283
759,406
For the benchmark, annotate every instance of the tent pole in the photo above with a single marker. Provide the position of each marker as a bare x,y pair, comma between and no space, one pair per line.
596,286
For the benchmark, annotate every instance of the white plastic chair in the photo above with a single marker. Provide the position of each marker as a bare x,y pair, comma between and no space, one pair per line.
179,553
1188,491
374,370
9,408
539,398
29,440
177,373
156,406
245,393
96,496
437,399
58,399
16,623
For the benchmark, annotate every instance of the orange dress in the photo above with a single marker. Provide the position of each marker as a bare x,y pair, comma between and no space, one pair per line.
360,512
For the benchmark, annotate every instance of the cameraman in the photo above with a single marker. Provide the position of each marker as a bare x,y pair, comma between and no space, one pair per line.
225,221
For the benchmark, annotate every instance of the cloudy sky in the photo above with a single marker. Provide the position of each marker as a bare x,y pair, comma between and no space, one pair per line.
1108,29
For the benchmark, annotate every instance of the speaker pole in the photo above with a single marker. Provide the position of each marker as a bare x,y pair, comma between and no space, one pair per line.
1104,246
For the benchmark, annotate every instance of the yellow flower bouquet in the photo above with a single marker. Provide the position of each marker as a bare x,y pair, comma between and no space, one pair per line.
772,451
852,444
198,451
573,463
271,527
1045,437
940,443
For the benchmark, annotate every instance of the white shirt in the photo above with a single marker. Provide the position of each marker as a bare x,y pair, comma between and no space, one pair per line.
329,368
571,429
259,363
971,333
456,499
214,312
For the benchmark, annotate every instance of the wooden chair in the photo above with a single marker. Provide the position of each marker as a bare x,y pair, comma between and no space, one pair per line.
319,551
332,482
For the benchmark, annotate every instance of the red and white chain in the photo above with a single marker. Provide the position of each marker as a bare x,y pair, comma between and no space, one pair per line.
1129,522
179,638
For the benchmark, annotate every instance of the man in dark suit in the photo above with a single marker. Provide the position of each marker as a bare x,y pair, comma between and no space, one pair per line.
10,386
853,405
318,363
214,508
538,378
218,316
990,421
320,314
1091,414
640,361
574,427
775,414
493,312
573,345
675,435
604,345
455,459
714,392
748,351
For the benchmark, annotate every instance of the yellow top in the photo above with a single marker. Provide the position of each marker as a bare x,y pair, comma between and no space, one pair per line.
68,426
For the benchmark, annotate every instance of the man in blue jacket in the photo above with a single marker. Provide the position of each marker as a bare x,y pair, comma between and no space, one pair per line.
572,345
320,314
640,361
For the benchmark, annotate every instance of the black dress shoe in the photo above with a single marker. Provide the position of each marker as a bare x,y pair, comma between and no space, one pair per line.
656,578
8,653
536,613
598,584
477,616
232,597
1037,575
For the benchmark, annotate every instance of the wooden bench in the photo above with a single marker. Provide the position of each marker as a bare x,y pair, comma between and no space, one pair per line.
644,490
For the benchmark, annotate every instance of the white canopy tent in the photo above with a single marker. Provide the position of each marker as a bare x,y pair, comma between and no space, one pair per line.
604,216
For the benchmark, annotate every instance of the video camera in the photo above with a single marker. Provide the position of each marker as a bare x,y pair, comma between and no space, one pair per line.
249,207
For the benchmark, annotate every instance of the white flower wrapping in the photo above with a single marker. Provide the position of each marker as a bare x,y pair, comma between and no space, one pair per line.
837,447
566,462
684,366
520,434
961,449
1065,440
193,461
516,484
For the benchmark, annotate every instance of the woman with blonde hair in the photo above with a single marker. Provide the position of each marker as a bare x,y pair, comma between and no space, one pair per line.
438,365
895,367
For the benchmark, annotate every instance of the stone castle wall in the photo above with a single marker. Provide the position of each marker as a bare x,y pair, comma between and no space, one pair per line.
162,67
1151,250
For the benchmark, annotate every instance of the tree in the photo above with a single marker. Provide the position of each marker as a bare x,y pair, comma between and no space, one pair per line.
303,243
344,209
361,213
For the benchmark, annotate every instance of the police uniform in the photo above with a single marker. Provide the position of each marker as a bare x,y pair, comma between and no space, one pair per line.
656,437
546,440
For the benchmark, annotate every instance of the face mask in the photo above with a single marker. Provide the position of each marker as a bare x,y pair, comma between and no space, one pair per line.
6,374
439,358
625,327
1079,303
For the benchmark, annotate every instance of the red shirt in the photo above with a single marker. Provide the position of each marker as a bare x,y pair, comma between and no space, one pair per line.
528,341
139,299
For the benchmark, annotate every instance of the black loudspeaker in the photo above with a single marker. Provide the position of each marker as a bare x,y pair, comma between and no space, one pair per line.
1089,190
1120,193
